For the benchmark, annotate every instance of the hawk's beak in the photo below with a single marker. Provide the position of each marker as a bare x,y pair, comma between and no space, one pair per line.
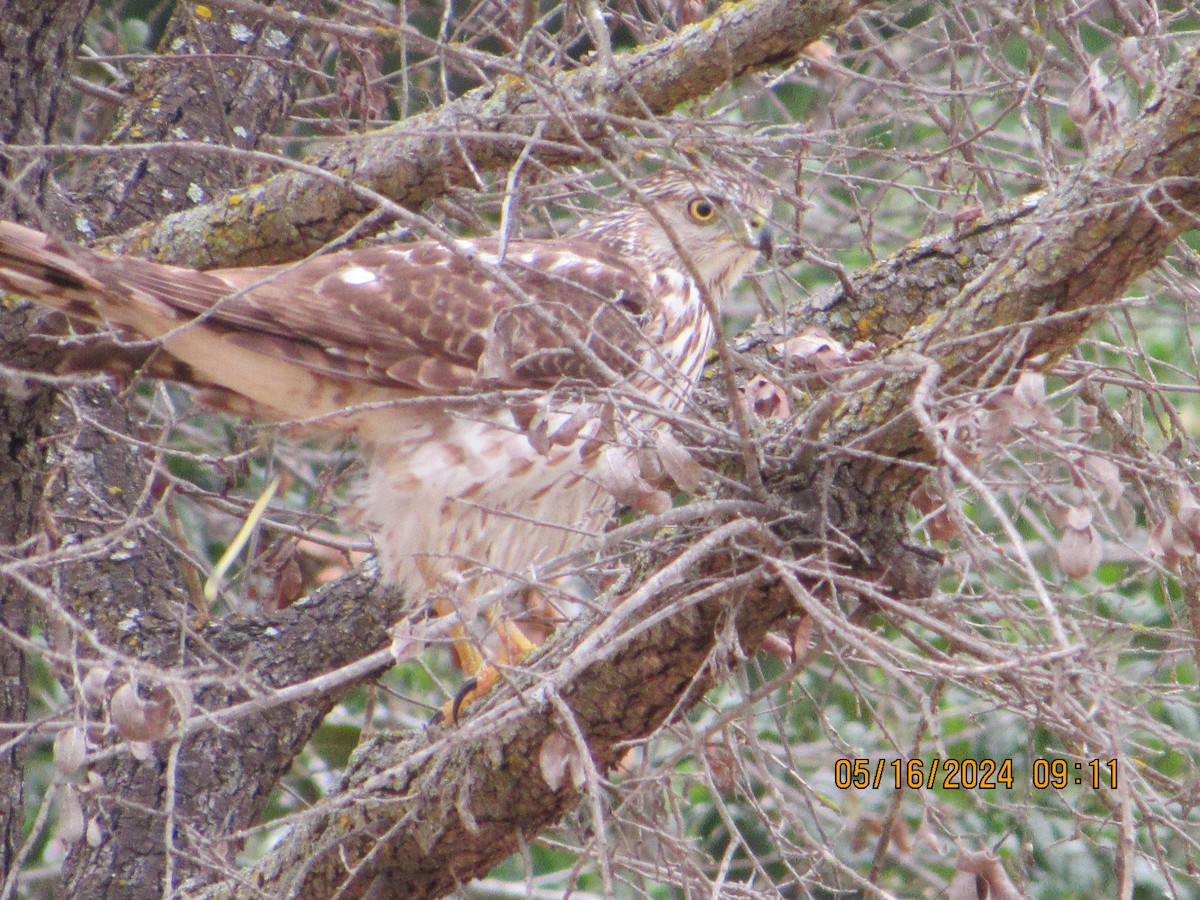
764,237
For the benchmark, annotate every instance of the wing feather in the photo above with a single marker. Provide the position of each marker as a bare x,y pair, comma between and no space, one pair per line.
422,317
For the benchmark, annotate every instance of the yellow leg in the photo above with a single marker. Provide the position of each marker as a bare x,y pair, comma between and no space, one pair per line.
470,657
516,646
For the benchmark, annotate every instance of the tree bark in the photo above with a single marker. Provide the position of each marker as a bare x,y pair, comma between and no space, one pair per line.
240,100
214,81
36,41
295,212
22,424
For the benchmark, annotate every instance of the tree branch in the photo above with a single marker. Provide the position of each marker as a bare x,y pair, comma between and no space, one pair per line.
233,101
292,214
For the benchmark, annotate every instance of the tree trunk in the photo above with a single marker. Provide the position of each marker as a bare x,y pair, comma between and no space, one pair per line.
37,41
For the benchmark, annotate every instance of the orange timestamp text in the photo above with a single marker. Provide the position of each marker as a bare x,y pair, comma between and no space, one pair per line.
970,774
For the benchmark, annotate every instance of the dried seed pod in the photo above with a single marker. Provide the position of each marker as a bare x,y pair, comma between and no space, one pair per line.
70,749
70,815
136,719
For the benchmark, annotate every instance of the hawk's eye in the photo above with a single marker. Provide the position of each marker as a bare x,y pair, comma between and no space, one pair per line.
701,210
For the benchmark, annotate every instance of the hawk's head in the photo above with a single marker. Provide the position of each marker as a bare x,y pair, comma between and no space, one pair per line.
705,224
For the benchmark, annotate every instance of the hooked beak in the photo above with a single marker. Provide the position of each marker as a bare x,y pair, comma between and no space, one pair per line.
764,238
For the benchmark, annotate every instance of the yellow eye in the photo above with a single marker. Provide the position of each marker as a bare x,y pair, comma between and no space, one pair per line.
701,210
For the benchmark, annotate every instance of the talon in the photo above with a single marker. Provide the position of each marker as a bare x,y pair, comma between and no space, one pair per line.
461,698
481,676
473,688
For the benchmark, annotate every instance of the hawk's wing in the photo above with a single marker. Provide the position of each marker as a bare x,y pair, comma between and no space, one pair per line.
417,317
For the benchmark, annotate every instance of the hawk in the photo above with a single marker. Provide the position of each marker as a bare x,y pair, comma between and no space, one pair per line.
490,384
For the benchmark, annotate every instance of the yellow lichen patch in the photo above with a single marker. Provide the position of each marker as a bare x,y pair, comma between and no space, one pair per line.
707,24
866,324
234,200
204,12
508,82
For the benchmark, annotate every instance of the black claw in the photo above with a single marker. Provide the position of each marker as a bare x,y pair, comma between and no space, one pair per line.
455,707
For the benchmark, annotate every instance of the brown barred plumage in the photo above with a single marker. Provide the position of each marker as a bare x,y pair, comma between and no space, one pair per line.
460,498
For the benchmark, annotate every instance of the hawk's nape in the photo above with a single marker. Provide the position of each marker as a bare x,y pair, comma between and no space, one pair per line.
461,497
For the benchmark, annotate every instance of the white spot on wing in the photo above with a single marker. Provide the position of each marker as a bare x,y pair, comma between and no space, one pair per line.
358,275
567,261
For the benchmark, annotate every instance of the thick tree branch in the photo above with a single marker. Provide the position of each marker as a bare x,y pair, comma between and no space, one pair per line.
292,214
423,813
1022,287
221,84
